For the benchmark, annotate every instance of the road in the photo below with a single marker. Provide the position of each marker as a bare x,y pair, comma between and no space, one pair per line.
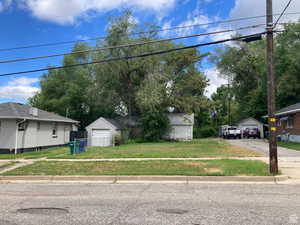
262,146
150,204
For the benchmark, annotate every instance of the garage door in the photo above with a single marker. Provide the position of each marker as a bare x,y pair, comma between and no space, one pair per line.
101,138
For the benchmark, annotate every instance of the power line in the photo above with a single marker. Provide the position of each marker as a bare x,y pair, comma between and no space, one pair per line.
128,45
286,7
130,57
139,33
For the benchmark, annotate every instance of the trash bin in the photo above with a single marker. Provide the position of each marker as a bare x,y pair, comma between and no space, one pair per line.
74,147
82,145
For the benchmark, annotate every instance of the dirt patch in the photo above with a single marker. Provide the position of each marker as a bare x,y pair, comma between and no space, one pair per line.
241,151
195,164
213,170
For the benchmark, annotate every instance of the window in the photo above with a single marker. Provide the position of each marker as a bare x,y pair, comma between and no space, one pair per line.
22,126
290,122
54,130
38,125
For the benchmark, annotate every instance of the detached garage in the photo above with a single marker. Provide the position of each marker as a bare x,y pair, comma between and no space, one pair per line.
181,126
102,132
251,123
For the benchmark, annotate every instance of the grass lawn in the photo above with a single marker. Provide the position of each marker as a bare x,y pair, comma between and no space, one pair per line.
290,145
224,167
7,165
195,149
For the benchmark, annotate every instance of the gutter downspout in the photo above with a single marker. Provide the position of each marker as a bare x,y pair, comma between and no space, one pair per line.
17,134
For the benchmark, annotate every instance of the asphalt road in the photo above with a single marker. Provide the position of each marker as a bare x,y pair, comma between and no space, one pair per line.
149,204
262,146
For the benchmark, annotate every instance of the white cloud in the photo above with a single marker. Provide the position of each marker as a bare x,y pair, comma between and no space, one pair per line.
215,79
67,12
245,8
21,88
5,4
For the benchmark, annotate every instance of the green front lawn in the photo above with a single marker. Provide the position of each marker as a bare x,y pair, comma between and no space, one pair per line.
3,166
290,145
225,167
195,149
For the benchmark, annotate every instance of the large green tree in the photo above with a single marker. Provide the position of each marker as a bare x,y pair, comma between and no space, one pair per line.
133,87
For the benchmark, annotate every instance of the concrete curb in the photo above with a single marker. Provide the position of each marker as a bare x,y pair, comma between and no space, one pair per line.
142,179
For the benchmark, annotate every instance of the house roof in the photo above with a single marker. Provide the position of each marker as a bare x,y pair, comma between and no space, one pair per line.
250,118
13,110
115,123
289,109
181,119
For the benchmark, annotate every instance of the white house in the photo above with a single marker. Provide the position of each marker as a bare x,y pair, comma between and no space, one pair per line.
24,128
103,131
182,125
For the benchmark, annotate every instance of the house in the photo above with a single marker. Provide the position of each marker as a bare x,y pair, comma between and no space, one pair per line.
288,123
24,128
181,126
251,123
103,131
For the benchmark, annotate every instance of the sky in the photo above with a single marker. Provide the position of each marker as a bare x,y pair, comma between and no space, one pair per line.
27,22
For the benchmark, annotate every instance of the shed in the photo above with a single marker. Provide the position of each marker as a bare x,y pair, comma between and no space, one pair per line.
103,131
251,123
181,126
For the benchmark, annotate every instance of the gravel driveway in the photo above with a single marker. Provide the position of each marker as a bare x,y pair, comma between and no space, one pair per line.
262,146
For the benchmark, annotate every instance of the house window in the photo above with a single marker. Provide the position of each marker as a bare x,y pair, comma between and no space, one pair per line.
290,122
54,130
22,126
278,123
38,125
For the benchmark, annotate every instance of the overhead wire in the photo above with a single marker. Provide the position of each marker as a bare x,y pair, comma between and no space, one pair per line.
284,10
139,33
128,45
131,57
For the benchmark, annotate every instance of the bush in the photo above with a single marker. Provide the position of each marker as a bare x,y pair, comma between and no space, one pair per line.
205,132
155,125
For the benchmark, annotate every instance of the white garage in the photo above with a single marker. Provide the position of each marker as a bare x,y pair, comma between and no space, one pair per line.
102,132
181,126
251,123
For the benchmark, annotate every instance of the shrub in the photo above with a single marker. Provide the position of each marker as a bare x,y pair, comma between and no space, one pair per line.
155,125
205,132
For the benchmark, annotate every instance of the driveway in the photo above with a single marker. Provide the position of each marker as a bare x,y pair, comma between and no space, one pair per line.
262,146
289,160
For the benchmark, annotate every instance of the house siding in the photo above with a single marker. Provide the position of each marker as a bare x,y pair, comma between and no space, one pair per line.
290,134
32,136
7,134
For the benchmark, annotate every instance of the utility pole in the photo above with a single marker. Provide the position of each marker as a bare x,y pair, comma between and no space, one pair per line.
271,91
229,103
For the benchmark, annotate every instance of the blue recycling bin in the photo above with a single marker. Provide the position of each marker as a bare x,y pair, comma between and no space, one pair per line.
82,145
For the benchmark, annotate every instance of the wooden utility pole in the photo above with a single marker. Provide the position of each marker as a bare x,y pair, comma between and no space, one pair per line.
271,91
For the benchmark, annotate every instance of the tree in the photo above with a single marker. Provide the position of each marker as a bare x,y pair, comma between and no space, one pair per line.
131,87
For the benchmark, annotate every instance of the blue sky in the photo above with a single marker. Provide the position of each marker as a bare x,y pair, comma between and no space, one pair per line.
26,22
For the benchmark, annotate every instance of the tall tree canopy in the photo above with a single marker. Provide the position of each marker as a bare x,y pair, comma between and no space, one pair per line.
245,65
129,87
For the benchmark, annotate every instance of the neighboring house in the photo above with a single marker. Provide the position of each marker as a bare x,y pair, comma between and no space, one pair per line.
24,128
251,123
181,126
288,123
103,131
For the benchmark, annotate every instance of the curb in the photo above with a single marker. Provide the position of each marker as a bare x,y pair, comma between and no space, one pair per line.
142,179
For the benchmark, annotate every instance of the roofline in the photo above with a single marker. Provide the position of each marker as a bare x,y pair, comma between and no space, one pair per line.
248,119
283,113
38,119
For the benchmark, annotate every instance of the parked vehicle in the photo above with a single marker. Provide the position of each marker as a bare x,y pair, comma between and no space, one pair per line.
230,132
251,133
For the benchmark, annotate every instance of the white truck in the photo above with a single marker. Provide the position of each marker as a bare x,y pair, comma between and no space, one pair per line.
228,132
